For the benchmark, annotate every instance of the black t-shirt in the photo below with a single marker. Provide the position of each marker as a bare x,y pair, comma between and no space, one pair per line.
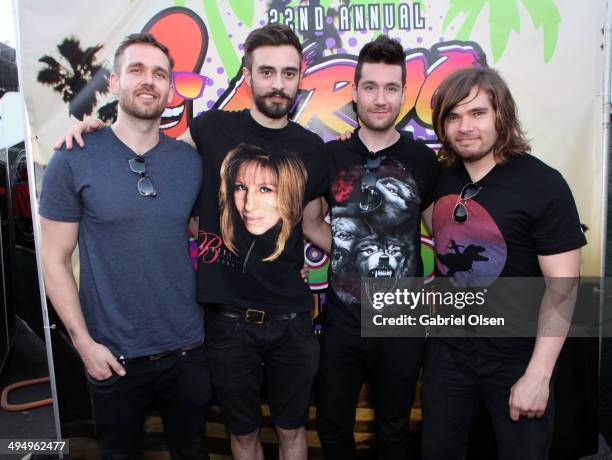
244,279
375,234
524,209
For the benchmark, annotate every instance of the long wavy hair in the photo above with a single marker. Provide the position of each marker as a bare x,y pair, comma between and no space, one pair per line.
291,177
511,140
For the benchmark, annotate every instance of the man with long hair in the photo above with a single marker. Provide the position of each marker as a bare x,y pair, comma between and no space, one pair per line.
257,311
520,216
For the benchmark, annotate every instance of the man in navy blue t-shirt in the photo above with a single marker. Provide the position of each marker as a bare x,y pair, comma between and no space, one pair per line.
135,321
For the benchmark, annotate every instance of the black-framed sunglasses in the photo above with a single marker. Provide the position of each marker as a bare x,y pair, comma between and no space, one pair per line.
460,212
145,184
372,198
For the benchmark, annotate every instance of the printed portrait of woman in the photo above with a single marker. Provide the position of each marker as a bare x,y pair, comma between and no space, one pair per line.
264,191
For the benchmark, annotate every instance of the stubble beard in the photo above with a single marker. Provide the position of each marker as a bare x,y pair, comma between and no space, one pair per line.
128,103
377,126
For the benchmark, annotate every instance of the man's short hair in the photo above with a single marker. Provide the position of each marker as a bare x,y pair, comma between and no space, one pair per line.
383,50
270,35
511,140
140,39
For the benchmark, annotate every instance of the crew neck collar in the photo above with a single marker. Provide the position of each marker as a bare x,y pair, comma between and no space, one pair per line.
264,130
358,142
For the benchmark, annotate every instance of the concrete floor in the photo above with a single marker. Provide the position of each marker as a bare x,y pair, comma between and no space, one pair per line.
27,360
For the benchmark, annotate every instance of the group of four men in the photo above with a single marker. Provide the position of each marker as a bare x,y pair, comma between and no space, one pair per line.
138,324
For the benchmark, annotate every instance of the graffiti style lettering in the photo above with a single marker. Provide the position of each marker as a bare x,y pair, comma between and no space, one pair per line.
238,96
325,103
327,93
448,59
208,249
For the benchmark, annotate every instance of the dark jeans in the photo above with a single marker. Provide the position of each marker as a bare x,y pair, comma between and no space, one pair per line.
241,353
454,383
179,386
392,366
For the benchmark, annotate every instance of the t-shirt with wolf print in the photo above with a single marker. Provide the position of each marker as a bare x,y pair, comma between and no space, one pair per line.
375,212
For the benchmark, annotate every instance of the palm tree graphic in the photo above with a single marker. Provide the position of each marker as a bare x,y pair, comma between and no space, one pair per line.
504,18
80,81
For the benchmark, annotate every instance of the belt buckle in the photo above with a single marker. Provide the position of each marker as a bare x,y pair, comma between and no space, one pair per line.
248,316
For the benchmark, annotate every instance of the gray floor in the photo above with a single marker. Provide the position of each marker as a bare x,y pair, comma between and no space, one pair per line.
27,360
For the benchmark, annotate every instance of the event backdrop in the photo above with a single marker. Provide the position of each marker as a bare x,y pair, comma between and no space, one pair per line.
551,52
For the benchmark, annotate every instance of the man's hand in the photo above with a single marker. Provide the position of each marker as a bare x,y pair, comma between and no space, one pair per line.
304,272
99,361
529,396
345,136
86,126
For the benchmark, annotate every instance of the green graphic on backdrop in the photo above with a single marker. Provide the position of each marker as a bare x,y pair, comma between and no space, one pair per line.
504,18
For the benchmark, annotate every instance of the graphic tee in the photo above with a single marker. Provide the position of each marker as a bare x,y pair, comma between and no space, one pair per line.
244,279
376,233
523,209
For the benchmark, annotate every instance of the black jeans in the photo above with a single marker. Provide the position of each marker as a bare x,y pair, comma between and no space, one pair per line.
179,386
454,383
392,366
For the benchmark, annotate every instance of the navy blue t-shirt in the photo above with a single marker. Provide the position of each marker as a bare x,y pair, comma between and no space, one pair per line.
137,282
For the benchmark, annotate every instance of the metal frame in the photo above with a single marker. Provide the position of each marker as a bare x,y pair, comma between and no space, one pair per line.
37,241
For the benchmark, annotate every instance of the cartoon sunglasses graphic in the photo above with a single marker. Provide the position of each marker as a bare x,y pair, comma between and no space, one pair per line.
189,85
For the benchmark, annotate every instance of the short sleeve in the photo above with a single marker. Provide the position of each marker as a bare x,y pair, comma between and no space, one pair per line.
59,199
557,228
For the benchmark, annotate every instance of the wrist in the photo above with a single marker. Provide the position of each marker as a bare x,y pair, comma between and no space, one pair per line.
539,372
82,342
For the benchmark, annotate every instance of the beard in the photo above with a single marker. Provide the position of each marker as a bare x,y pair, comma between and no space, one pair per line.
374,124
129,104
274,110
471,156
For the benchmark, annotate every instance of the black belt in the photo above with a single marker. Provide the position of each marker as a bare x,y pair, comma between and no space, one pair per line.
250,315
165,354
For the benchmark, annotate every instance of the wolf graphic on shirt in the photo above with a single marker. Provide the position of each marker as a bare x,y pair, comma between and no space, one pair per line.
373,229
